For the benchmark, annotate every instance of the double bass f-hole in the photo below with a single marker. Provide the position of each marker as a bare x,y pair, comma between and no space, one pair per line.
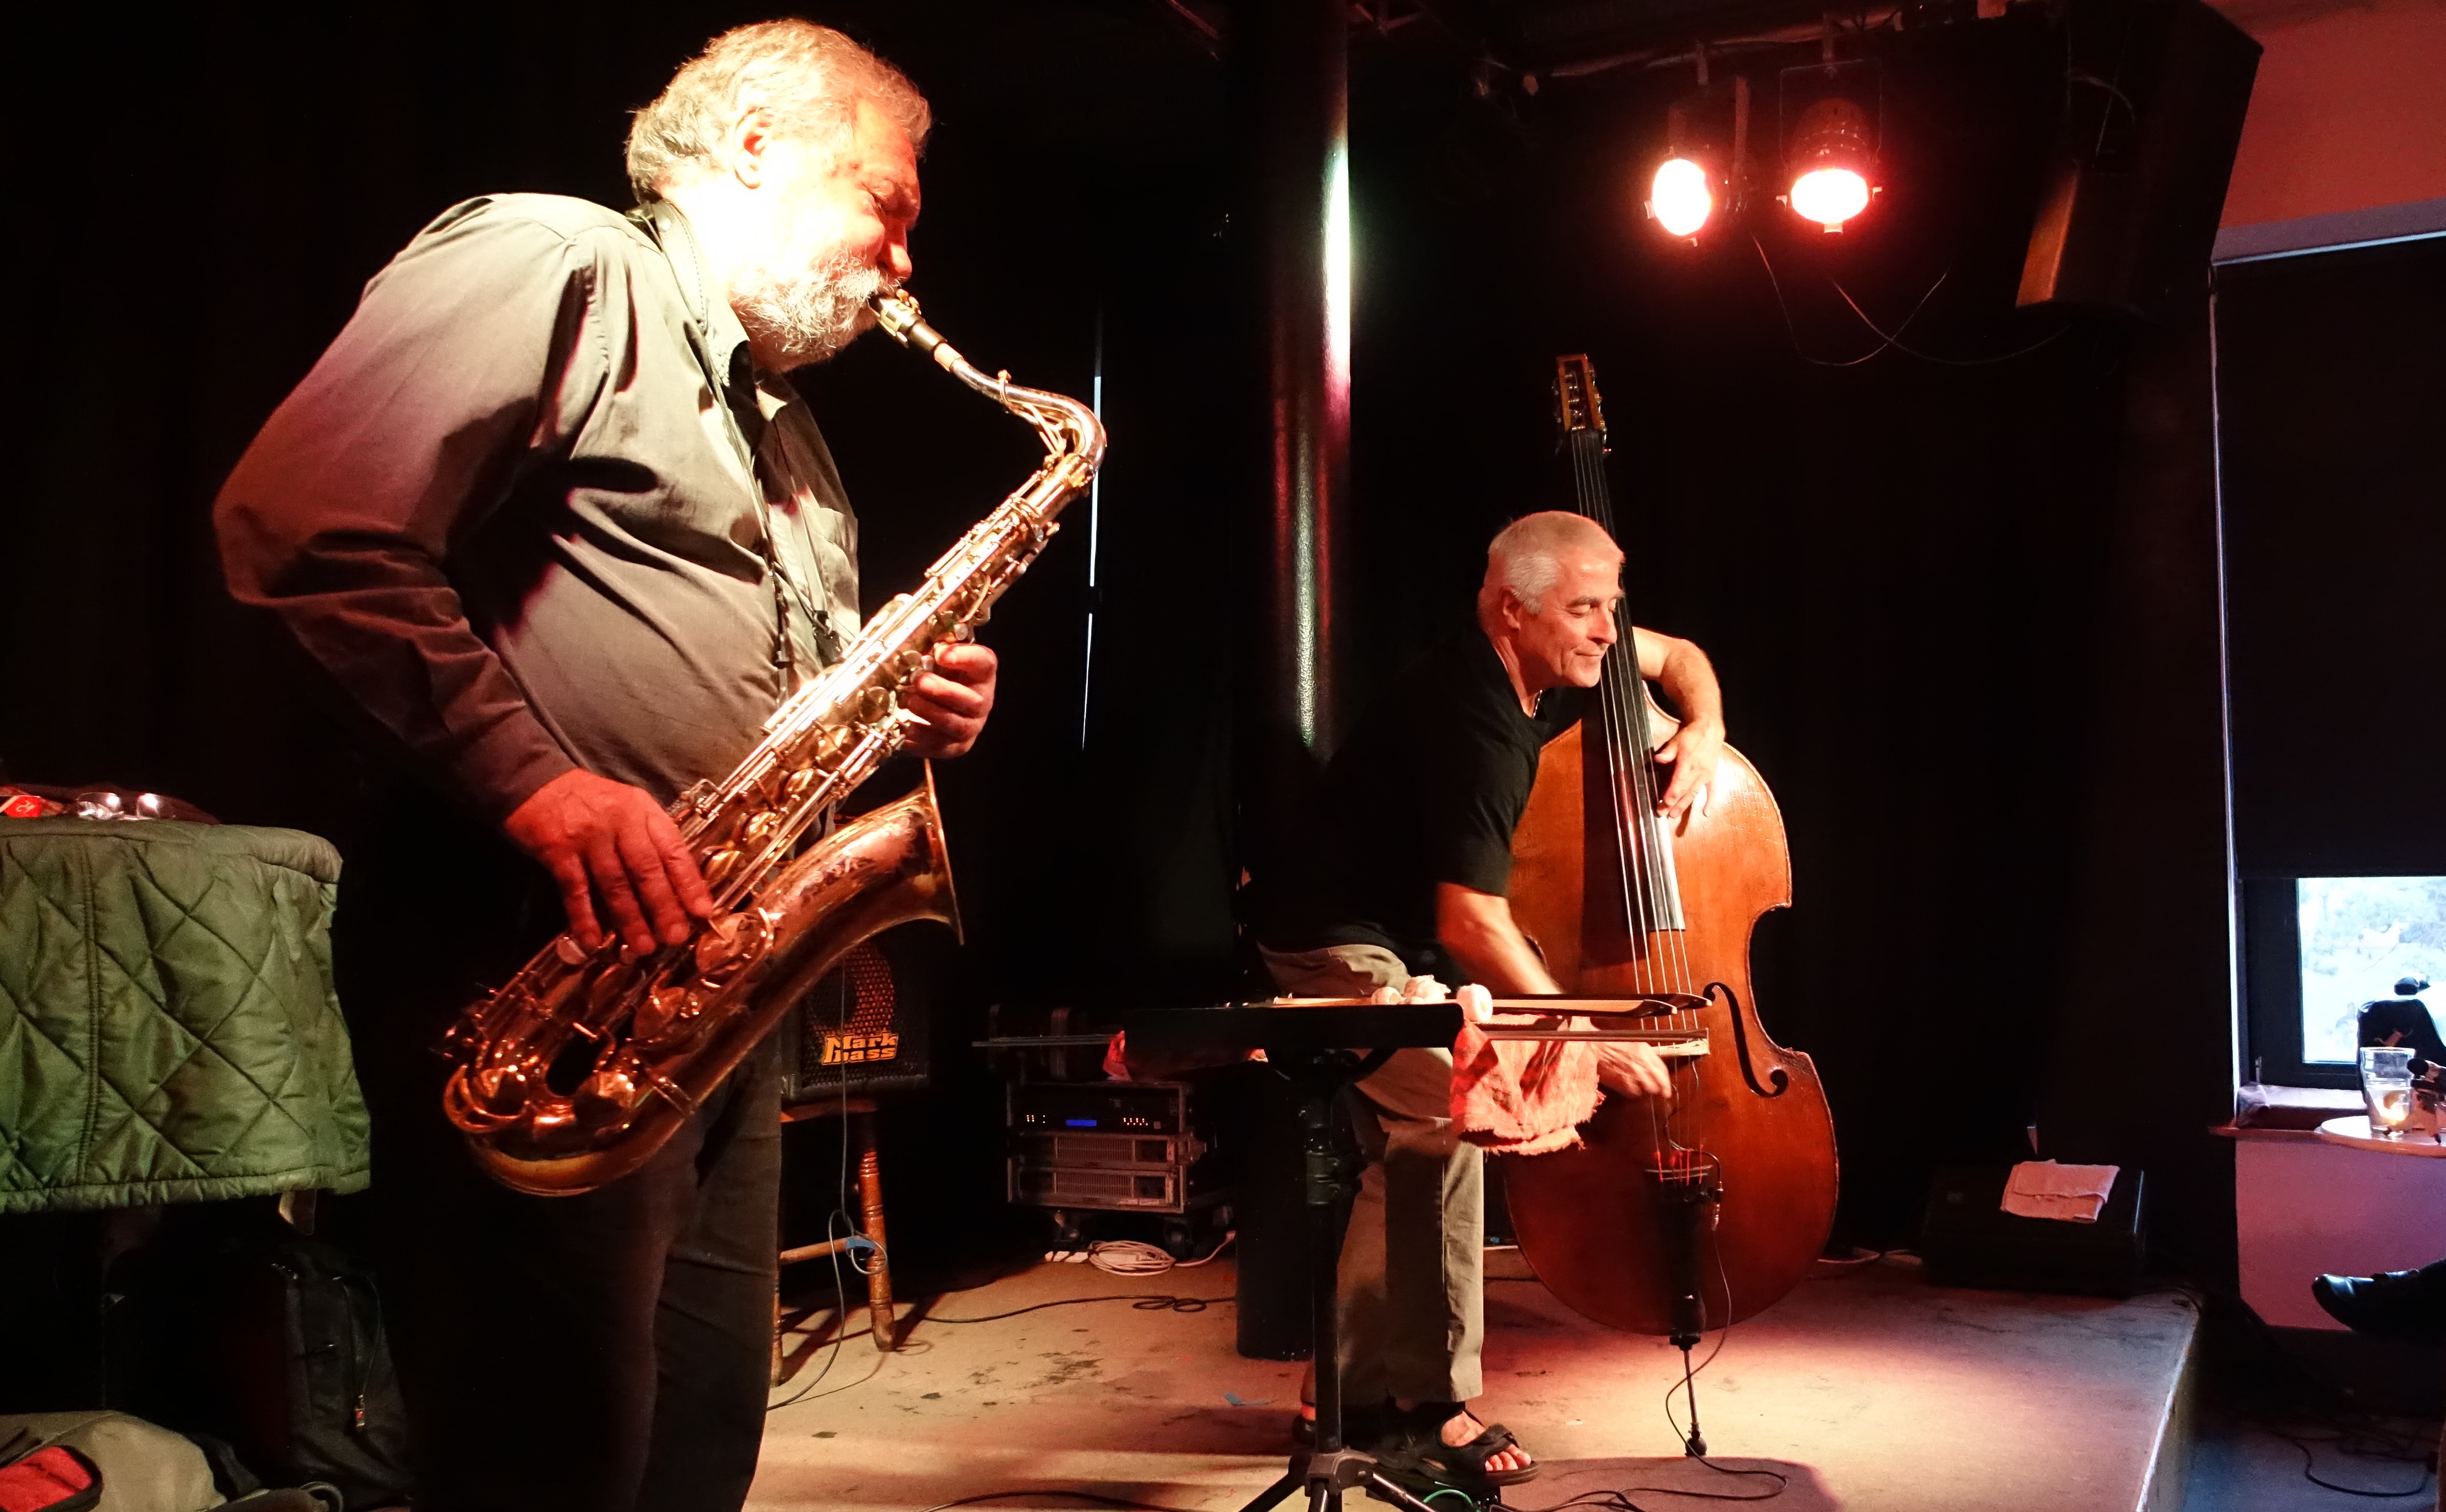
1777,1074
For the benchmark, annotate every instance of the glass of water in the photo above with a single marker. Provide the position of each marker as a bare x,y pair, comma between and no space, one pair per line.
2386,1087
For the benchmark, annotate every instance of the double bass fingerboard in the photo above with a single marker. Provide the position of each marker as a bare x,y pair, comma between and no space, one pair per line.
1642,840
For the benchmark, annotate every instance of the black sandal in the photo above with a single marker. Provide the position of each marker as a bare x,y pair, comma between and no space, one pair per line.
1416,1451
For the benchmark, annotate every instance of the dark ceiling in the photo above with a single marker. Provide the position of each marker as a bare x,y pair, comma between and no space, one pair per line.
1138,87
1534,37
1551,33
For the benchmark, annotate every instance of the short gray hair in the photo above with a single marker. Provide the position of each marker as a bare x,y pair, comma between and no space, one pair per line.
1526,555
812,78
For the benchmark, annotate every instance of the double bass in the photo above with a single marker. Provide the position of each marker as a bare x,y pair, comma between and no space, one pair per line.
1666,1220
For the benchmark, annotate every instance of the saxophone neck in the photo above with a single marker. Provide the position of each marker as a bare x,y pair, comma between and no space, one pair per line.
897,312
1067,427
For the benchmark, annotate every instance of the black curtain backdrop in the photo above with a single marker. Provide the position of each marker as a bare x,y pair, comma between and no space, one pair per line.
2331,378
1965,614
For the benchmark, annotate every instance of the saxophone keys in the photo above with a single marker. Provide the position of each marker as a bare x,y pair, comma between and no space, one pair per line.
723,828
729,943
461,1106
717,945
606,1099
663,1010
552,1126
719,865
570,952
501,1090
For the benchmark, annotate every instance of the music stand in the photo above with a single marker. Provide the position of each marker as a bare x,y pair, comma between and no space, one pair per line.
1305,1047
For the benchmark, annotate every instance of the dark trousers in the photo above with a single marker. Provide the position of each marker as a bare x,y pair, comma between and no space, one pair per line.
602,1352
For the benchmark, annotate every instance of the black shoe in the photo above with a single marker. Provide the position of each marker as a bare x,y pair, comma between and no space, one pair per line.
2390,1305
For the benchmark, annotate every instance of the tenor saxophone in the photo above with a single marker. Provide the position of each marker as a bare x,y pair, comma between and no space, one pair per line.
576,1071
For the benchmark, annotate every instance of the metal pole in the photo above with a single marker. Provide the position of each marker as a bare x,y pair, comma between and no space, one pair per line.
1298,55
1289,57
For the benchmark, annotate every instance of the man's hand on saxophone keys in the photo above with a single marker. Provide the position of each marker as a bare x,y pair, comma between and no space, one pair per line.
953,700
609,841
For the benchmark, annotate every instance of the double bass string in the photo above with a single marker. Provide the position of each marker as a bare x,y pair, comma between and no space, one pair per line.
1586,452
1626,713
1619,740
1630,786
1623,702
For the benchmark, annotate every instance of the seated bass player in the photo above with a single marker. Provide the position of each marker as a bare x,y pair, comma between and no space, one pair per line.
1402,871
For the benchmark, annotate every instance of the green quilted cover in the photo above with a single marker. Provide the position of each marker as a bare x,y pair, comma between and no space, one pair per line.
168,1030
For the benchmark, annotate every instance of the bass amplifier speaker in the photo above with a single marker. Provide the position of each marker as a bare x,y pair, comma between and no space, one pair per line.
863,1029
1967,1239
2128,219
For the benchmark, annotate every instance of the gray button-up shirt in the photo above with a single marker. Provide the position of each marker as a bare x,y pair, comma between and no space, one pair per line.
528,508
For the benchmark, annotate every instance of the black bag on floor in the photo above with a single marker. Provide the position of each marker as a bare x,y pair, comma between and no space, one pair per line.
1966,1237
252,1333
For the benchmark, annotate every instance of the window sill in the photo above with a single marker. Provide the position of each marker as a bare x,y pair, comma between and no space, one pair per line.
2250,1135
2286,1113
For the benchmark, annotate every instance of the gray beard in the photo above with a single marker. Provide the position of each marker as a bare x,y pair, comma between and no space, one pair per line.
810,313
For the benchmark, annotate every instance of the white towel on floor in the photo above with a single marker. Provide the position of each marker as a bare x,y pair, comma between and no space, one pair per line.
2074,1194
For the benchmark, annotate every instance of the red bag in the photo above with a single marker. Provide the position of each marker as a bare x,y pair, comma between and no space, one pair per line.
52,1480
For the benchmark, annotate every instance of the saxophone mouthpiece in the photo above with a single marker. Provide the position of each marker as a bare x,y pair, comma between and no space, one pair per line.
897,312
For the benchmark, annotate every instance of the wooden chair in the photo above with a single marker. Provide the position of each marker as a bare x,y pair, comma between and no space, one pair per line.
862,1129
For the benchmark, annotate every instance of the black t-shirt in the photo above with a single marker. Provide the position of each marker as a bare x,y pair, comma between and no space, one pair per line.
1428,788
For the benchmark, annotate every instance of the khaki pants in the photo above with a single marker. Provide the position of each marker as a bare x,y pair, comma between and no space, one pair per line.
1412,1293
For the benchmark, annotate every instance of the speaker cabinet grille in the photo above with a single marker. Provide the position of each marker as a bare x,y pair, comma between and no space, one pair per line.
863,1028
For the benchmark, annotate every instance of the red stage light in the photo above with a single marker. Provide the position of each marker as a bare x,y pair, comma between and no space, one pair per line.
1701,177
1679,198
1831,161
1830,195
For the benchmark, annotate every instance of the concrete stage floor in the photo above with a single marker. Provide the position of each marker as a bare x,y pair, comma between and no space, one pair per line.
1868,1389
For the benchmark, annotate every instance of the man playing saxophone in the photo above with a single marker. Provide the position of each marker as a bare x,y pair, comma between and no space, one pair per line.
551,520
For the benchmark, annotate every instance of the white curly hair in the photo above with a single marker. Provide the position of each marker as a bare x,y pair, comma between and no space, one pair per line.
810,77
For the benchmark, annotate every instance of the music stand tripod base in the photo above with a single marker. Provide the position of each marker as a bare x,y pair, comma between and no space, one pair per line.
1330,1175
1300,1044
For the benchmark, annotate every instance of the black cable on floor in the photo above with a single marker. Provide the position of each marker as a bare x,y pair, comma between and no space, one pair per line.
1138,1304
1619,1500
1096,1497
2353,1431
2383,1445
809,1393
1141,1303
